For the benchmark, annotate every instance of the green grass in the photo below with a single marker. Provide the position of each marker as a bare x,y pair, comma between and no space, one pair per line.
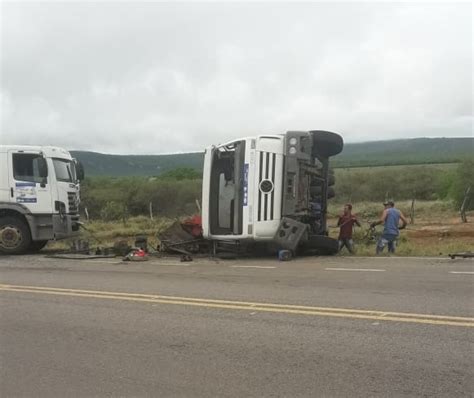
432,211
425,237
406,248
106,233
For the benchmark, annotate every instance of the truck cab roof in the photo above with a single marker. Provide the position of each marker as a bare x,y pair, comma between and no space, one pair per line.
48,151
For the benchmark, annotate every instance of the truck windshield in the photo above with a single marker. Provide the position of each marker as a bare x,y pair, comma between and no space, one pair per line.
226,189
64,170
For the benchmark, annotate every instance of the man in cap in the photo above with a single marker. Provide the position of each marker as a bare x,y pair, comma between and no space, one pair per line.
391,229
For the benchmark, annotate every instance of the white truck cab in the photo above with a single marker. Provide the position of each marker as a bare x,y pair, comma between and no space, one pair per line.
270,188
39,197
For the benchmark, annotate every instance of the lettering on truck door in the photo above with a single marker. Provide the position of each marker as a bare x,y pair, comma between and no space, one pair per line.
27,187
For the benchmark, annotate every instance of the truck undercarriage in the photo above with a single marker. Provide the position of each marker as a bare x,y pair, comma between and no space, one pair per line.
282,191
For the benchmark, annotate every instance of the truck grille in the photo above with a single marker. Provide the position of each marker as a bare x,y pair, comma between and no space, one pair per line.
266,186
73,202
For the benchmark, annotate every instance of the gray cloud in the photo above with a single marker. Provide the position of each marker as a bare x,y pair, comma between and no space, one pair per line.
160,77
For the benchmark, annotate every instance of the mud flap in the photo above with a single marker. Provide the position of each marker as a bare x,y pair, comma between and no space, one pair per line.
290,234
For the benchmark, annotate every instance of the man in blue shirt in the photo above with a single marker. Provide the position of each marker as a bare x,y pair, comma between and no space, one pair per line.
390,219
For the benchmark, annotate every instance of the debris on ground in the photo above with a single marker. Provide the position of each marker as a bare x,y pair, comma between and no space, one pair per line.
141,242
462,255
122,248
184,237
136,254
284,255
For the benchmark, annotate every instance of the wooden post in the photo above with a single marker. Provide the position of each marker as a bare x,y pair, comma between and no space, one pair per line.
86,212
464,204
412,212
151,211
198,205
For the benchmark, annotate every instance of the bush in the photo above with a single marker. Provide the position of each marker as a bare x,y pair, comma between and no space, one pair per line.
426,182
174,193
116,198
113,211
463,178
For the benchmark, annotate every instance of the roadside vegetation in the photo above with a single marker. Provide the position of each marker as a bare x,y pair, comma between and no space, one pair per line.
174,194
121,208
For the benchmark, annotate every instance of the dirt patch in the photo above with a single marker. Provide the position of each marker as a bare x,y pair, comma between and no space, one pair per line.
454,230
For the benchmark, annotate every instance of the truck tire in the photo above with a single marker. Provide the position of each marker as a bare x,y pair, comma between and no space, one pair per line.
317,189
15,237
320,244
37,245
326,144
331,192
331,179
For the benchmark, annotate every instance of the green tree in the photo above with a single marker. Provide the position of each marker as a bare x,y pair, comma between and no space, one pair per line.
464,178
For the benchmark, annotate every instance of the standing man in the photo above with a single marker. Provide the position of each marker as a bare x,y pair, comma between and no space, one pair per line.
391,230
346,222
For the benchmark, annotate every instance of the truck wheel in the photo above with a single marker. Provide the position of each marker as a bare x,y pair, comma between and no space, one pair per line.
315,190
319,244
326,144
331,192
331,180
15,236
36,246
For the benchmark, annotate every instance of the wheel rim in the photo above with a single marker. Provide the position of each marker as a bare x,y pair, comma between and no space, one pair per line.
10,237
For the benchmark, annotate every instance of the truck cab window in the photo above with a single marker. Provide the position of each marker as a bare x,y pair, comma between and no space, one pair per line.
64,170
26,167
226,196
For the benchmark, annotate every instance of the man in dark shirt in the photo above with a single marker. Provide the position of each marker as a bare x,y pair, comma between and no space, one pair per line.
346,222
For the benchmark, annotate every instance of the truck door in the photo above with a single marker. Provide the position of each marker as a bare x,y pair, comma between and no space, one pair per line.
30,182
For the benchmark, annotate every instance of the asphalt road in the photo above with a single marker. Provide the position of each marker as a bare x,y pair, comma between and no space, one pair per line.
332,327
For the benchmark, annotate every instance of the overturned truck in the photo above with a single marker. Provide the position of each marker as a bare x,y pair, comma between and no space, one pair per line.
270,192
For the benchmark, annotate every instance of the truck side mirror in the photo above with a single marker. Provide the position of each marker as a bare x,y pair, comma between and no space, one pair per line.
79,170
42,167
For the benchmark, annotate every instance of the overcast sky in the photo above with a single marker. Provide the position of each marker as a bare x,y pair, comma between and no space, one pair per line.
128,77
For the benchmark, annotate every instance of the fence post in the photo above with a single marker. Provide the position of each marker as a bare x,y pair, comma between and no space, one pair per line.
464,204
412,212
198,205
151,211
86,212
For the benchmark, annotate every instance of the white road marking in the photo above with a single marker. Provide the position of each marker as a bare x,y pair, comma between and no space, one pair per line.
396,257
355,269
461,272
251,266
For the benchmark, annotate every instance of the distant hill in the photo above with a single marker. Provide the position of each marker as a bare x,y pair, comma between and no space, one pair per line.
406,151
99,164
377,153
